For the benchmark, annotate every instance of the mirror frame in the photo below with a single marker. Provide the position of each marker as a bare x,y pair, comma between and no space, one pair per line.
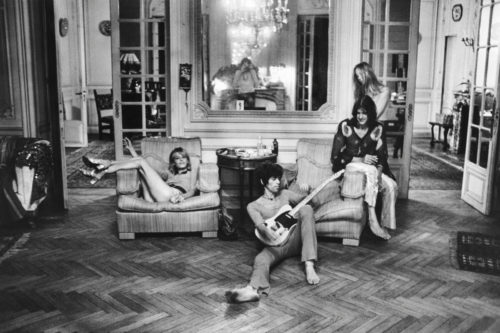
202,111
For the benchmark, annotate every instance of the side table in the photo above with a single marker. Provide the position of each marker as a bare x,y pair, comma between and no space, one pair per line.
446,128
227,159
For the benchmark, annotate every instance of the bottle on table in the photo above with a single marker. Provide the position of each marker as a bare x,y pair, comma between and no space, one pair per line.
275,146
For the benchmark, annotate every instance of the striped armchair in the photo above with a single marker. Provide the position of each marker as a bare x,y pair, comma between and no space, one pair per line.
196,214
339,208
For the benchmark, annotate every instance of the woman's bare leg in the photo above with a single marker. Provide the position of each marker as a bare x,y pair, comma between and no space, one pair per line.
146,194
156,186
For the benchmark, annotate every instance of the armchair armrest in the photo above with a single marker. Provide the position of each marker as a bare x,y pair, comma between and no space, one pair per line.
208,180
127,181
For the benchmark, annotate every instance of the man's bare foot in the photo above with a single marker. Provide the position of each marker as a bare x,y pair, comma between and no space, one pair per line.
311,276
376,228
246,294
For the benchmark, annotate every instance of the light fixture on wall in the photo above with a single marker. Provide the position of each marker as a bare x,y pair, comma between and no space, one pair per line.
468,41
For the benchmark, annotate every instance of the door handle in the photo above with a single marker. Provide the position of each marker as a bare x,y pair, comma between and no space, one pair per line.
410,112
494,123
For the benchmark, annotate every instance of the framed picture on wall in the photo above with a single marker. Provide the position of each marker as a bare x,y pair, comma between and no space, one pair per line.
456,12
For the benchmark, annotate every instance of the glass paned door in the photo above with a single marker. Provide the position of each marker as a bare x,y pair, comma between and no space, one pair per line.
140,69
389,45
481,151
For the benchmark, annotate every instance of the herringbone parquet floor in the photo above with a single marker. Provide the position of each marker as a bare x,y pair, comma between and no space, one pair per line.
72,274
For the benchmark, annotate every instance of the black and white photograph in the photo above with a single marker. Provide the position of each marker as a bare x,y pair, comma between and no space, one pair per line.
249,166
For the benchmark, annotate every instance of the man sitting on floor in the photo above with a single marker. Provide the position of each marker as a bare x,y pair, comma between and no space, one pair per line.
301,240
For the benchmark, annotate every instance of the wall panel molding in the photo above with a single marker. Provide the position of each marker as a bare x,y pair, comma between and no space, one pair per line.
97,46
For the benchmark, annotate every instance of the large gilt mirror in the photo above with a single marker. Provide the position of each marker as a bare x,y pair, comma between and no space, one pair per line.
264,56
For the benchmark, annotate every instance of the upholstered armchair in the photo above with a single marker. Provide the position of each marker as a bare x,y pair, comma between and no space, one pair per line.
339,208
196,214
25,176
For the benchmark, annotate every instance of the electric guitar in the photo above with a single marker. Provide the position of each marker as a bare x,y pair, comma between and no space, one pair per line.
283,222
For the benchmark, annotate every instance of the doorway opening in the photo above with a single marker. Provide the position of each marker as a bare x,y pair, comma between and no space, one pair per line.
439,165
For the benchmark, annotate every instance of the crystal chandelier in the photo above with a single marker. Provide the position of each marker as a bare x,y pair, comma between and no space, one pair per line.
251,24
257,13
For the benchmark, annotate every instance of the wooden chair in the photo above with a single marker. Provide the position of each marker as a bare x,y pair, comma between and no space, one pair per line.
104,107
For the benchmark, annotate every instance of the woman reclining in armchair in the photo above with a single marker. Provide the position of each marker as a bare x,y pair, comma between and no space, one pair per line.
359,145
174,185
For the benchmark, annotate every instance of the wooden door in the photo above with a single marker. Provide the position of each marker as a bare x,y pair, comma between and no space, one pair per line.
71,69
140,68
390,36
482,137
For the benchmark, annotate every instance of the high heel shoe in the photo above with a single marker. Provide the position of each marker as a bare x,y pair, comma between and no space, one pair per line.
96,163
93,173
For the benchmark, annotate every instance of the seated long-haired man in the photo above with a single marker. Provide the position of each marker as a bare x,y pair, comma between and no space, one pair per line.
301,239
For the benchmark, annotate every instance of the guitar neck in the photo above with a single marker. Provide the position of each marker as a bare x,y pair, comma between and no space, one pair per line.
311,195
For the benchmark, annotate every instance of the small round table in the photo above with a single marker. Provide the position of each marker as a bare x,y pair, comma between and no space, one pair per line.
228,159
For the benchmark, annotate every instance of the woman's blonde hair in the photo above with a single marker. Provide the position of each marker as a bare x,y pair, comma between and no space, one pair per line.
172,167
371,84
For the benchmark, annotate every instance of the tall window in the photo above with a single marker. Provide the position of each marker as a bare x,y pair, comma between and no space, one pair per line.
143,67
386,28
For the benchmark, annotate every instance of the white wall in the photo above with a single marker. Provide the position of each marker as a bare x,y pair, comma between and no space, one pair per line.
97,54
425,64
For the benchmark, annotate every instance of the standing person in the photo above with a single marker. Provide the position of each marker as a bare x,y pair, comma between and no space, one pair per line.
359,144
174,184
246,80
302,239
367,83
